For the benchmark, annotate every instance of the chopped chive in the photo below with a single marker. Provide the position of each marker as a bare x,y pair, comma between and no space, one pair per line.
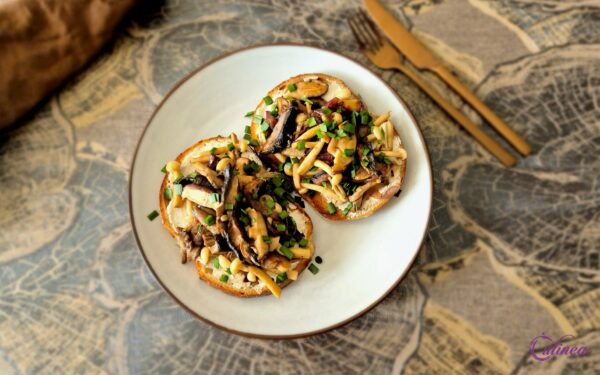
283,214
264,127
247,129
228,271
286,251
295,160
281,277
287,165
253,142
331,208
306,180
291,87
323,128
277,181
279,191
213,150
164,169
178,179
365,117
306,100
270,203
320,134
168,194
313,269
267,99
255,195
326,110
178,189
249,114
303,242
193,175
281,227
348,152
238,197
213,197
331,135
266,239
230,146
216,263
366,151
381,133
247,137
224,278
152,215
347,209
340,133
311,122
319,260
229,206
300,145
364,163
245,220
348,127
209,220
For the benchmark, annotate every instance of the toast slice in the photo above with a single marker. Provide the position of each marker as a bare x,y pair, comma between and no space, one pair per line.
345,161
240,223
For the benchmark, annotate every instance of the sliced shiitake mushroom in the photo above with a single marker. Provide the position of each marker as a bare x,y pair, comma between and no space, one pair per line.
283,132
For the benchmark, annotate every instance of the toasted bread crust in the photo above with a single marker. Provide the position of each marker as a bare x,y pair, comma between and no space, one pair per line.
202,270
318,201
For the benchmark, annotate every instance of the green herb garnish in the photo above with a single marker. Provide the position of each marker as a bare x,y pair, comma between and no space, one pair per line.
291,87
168,194
224,278
267,99
152,215
283,215
230,146
303,242
313,269
164,169
249,114
348,152
281,277
347,209
266,239
311,122
286,251
281,227
216,263
229,206
178,189
300,145
209,220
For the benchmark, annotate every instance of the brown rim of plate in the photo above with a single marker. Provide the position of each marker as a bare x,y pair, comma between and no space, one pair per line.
322,330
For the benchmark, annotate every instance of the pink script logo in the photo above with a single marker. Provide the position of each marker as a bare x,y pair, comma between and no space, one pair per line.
552,348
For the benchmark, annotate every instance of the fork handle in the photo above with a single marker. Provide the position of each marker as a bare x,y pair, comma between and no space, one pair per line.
500,126
486,141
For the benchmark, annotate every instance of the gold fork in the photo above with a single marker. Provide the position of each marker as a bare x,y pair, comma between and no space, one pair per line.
385,56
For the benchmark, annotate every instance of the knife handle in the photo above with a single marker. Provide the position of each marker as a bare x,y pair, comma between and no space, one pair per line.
500,126
475,131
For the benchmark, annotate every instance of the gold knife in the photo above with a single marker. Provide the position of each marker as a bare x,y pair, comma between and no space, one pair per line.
419,56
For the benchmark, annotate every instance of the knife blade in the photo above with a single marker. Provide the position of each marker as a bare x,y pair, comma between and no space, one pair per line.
403,39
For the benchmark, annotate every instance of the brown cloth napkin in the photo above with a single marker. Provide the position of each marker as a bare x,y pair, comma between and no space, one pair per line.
42,42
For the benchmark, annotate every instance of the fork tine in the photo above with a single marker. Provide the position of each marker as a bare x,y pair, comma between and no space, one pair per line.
357,35
370,27
365,39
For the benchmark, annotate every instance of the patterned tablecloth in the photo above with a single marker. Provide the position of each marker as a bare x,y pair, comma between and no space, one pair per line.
511,254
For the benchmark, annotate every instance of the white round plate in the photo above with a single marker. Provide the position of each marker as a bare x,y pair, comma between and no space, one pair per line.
362,260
